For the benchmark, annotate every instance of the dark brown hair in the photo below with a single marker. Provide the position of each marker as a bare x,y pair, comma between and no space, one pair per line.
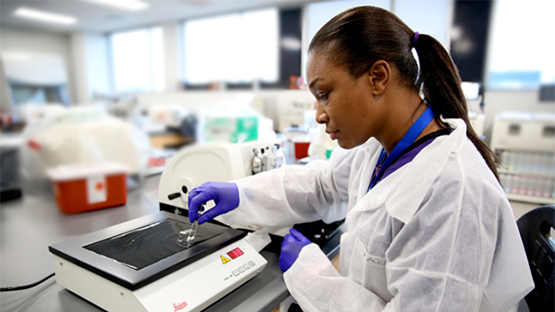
358,37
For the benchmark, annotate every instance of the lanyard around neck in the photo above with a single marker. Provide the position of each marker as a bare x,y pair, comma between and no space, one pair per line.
415,130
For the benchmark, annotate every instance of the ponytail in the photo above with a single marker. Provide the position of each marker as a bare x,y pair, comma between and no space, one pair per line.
441,88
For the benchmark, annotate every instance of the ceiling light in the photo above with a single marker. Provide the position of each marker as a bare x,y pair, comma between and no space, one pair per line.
45,16
132,5
291,43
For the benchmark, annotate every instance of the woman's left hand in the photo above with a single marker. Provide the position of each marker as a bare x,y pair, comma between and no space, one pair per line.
291,246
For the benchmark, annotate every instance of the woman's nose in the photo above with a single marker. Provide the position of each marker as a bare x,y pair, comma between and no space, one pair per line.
321,119
321,116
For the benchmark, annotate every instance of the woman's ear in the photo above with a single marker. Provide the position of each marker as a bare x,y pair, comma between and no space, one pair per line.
379,76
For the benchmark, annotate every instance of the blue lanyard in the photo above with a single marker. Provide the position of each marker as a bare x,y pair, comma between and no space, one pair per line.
415,130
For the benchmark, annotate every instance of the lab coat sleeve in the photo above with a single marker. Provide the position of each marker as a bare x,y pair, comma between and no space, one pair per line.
295,194
318,287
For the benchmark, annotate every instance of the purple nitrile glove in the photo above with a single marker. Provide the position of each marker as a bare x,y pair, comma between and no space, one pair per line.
225,195
290,248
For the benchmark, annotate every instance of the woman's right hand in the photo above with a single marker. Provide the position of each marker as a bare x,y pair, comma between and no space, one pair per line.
225,196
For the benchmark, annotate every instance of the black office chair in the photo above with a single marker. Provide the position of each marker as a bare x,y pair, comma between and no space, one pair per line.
535,229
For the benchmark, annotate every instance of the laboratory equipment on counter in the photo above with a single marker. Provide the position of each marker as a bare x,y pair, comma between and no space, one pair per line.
525,142
140,265
220,162
166,115
525,131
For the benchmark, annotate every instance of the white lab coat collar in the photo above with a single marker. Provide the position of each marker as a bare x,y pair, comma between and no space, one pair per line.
403,194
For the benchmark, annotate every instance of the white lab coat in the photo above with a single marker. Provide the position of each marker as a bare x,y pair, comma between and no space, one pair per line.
438,234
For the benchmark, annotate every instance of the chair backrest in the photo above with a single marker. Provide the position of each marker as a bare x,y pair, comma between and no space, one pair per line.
535,229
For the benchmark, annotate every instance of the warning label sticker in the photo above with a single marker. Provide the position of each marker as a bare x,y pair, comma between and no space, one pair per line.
224,259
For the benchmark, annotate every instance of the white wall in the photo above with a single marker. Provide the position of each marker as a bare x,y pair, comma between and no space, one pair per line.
36,42
91,66
172,53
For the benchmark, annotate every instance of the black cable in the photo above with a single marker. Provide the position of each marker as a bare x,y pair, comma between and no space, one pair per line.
16,288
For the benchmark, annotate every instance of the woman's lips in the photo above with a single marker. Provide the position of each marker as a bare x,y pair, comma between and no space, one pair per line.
333,134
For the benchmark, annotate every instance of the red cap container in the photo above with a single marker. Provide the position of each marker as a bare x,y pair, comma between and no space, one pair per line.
86,187
301,149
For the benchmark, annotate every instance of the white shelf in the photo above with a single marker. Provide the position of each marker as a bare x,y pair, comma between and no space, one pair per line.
526,173
523,148
531,199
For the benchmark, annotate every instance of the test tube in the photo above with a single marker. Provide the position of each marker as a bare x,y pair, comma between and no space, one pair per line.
192,233
194,227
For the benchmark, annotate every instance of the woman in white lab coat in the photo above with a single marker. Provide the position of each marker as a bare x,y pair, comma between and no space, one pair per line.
428,227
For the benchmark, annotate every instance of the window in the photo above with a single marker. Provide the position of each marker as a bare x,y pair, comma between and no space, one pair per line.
236,48
521,49
137,60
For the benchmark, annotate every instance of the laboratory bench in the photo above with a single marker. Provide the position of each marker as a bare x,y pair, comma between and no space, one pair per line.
31,224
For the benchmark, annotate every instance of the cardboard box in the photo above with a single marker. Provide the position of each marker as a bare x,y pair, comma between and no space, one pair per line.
85,187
